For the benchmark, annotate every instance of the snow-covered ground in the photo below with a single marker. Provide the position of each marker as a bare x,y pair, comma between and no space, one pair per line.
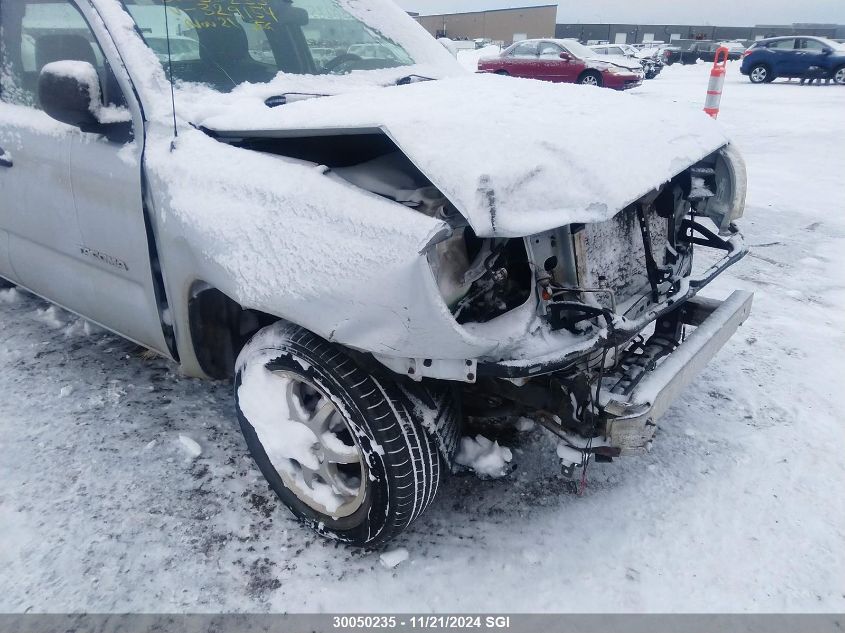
126,487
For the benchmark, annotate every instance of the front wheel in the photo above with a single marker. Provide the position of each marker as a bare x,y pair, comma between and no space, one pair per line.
839,76
344,448
590,79
760,74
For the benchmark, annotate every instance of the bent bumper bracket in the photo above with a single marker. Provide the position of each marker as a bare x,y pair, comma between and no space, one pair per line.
631,423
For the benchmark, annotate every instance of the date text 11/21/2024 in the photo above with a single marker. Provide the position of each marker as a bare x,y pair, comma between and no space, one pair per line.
422,622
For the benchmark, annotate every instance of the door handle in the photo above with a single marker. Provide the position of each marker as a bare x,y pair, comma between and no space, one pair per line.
5,158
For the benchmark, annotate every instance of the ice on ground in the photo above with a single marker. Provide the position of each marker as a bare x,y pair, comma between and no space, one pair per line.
394,557
65,391
190,446
484,457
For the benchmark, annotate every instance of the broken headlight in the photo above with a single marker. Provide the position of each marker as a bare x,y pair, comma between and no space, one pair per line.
719,187
480,279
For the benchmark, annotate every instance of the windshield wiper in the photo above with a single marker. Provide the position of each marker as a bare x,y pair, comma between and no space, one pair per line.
412,79
290,97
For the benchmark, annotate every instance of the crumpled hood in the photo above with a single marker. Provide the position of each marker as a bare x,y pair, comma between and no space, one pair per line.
515,156
616,60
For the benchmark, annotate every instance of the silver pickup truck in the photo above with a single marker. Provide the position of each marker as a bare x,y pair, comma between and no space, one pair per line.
313,199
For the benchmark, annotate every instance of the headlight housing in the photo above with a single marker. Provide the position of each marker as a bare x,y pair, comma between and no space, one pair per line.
727,203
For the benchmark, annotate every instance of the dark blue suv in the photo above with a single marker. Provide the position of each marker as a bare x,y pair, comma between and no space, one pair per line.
775,57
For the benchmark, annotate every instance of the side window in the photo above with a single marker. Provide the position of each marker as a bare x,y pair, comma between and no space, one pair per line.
549,50
526,49
36,33
782,45
811,45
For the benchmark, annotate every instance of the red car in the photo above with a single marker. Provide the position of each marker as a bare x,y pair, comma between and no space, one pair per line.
564,61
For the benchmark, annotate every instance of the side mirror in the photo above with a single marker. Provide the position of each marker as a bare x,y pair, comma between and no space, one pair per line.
69,91
566,57
826,51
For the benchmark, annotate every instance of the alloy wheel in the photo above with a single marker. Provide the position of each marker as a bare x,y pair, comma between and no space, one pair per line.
759,74
332,479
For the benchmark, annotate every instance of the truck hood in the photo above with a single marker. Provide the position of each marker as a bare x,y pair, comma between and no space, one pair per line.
515,156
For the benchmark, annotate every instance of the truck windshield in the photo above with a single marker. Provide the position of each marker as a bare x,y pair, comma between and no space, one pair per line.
224,43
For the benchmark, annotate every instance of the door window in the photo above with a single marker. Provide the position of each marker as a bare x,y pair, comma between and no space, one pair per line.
811,45
782,45
35,34
548,50
524,50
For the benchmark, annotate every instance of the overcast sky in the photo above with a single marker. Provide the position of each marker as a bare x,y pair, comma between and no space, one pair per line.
716,12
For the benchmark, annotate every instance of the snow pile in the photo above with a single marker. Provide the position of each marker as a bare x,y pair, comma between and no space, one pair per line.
469,58
190,446
394,557
524,425
484,457
51,317
9,295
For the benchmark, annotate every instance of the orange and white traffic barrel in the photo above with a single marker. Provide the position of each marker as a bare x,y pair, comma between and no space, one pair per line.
717,80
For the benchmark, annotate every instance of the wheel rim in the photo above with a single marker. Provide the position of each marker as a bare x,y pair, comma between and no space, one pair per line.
333,479
590,80
759,74
839,77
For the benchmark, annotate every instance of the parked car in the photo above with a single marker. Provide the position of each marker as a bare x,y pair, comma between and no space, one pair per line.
699,50
650,65
735,49
367,267
564,61
788,57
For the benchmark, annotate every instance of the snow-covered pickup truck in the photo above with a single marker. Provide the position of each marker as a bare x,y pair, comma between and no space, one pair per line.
372,248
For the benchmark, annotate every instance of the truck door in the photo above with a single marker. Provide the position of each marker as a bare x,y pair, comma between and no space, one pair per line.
76,228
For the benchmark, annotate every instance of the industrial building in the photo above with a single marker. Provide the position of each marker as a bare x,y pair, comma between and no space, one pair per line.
636,33
508,25
502,25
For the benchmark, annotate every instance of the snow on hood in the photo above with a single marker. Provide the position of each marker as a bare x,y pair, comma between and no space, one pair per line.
616,60
515,156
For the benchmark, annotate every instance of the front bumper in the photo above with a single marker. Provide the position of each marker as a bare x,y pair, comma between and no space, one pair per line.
631,420
623,82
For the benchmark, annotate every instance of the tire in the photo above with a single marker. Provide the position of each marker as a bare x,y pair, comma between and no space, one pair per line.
761,74
395,430
503,73
838,75
590,78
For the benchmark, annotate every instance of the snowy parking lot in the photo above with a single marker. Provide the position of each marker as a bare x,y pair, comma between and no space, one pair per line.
127,487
